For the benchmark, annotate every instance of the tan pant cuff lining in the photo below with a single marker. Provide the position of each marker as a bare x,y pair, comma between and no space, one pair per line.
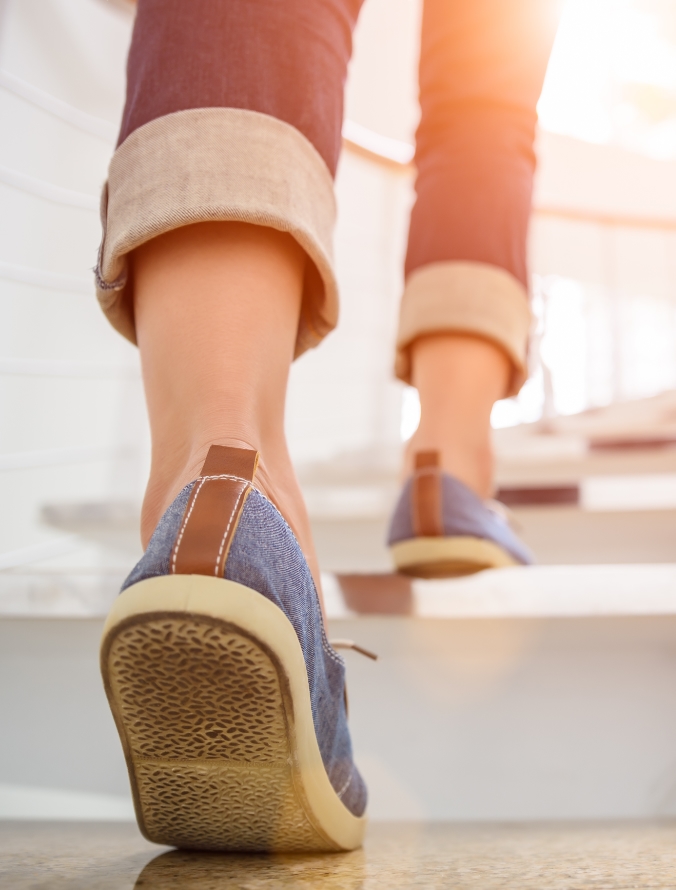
218,164
470,298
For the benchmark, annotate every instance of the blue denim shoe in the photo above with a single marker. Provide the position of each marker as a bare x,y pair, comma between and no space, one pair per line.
229,700
441,529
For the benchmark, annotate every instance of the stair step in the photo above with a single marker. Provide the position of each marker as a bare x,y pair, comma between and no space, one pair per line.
540,693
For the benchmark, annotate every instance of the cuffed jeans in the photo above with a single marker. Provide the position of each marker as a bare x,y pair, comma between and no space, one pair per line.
234,112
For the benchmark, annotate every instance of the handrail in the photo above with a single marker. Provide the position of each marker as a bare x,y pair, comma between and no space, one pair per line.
126,6
363,142
617,220
382,150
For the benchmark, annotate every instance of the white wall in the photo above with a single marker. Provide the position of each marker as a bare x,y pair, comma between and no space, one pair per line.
71,417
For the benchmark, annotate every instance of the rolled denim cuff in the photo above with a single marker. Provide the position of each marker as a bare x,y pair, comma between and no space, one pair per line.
211,164
468,298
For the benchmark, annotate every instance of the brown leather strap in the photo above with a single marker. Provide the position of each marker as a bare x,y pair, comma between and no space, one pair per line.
213,511
426,496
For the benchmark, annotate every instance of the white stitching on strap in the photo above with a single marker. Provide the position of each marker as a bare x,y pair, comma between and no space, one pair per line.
229,476
326,646
201,480
185,522
232,516
345,786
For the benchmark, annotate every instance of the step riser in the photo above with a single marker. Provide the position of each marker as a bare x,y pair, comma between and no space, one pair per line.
459,719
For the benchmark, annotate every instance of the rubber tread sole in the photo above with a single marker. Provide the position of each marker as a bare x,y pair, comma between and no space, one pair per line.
208,688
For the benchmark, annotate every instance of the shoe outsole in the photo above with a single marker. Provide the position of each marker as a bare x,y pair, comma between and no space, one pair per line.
208,687
448,557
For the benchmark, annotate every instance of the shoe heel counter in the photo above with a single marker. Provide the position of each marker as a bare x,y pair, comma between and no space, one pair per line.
213,512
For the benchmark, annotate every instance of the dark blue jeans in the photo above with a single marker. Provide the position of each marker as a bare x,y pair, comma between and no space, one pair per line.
482,65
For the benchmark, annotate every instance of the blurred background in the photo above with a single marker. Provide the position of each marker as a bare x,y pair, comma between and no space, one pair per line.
586,446
586,454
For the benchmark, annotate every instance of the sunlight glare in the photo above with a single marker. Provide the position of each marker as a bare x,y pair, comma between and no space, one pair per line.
612,75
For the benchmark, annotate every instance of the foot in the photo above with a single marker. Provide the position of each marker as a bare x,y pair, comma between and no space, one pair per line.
229,700
441,528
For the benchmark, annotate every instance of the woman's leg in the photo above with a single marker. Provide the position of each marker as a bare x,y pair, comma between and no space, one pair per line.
465,317
458,378
216,260
217,374
216,256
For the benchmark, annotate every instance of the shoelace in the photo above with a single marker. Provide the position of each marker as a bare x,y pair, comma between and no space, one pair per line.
505,513
350,644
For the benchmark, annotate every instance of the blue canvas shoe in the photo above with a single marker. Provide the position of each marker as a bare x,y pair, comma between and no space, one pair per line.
228,698
441,529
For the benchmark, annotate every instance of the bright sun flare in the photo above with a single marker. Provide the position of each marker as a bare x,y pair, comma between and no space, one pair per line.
612,75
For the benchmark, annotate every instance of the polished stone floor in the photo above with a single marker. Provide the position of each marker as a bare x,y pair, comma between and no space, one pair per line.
597,856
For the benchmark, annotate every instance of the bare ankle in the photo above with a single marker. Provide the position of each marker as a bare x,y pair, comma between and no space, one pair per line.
217,309
458,378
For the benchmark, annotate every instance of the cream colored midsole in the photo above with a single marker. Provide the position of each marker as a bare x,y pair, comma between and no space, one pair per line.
423,551
257,616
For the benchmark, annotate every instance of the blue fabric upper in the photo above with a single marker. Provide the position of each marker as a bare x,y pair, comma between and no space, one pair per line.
463,514
265,557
